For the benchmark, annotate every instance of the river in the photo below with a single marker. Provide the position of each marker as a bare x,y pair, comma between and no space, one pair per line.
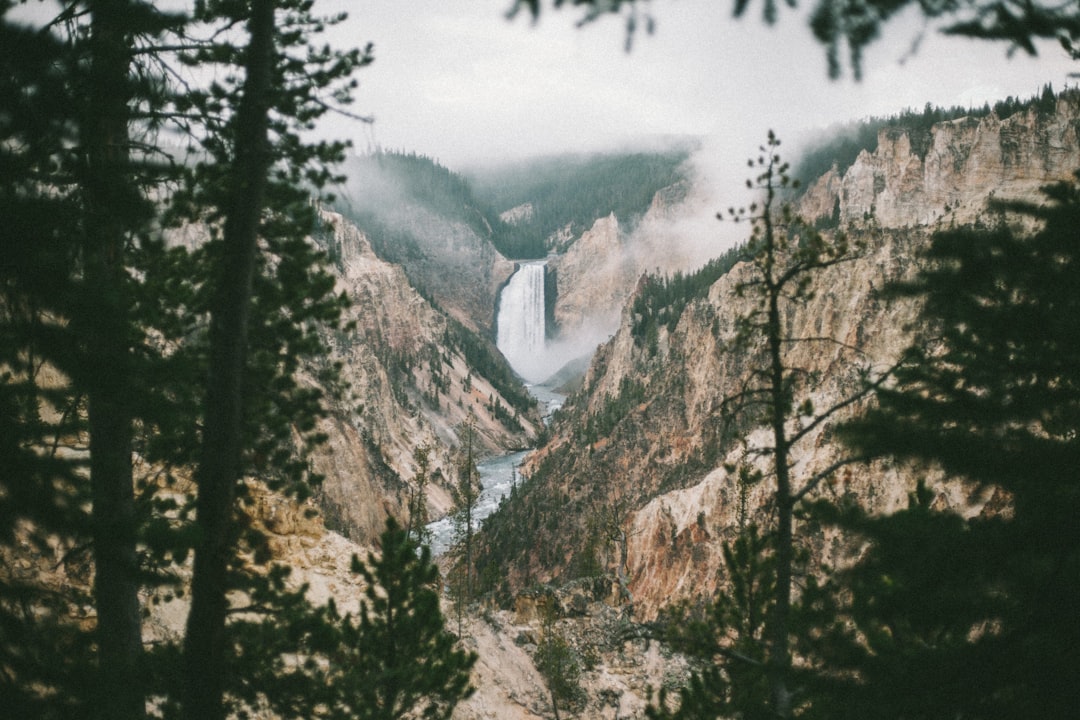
497,476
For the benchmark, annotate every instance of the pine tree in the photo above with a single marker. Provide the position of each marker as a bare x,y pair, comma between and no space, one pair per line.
751,635
956,617
115,211
416,530
560,666
278,99
41,492
76,207
466,495
785,254
219,467
397,659
727,640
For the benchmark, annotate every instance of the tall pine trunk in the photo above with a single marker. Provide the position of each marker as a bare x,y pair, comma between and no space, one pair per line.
778,624
112,203
779,656
220,462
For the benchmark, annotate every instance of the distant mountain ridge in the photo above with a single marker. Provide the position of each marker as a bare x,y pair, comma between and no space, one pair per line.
565,195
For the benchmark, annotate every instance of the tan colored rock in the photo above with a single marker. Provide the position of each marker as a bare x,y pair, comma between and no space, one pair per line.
368,460
598,271
593,278
665,462
968,161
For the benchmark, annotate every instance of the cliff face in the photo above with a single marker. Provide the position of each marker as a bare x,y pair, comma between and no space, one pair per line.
425,218
459,268
408,382
640,455
967,161
592,278
409,385
599,269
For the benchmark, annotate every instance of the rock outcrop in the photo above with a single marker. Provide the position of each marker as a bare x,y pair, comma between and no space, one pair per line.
518,214
597,272
619,669
409,386
968,160
592,279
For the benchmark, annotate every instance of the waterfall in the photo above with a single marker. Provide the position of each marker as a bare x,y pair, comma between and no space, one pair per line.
521,330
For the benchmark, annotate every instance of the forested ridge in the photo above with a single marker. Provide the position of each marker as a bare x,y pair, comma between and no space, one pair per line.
411,178
659,301
573,191
565,192
843,143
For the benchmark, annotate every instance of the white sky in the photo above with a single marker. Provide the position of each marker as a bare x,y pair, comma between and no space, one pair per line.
455,80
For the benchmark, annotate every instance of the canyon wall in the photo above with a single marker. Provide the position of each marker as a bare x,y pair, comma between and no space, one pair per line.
636,480
968,160
593,278
597,272
409,385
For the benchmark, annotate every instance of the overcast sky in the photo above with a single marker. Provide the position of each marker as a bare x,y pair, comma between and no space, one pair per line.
456,80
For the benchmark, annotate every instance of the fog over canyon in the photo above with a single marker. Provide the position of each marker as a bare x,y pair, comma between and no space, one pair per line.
602,359
656,466
576,333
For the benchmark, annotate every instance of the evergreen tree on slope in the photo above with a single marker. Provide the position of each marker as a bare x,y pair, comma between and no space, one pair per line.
396,653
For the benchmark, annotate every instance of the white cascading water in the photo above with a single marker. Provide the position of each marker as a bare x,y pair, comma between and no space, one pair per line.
521,330
522,338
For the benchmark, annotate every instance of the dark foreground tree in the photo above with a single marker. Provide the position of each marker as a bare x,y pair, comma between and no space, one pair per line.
283,76
220,466
976,618
115,211
42,489
750,633
396,656
75,210
104,331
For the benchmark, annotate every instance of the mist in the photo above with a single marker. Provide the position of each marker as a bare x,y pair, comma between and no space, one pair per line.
456,81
